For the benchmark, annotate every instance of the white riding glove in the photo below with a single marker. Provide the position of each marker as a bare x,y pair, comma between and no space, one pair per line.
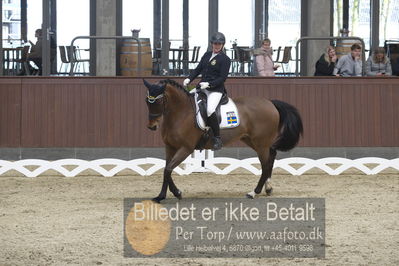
204,85
186,82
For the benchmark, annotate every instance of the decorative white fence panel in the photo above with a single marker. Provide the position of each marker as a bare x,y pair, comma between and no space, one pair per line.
148,166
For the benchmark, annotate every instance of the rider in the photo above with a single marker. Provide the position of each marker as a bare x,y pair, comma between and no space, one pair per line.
214,68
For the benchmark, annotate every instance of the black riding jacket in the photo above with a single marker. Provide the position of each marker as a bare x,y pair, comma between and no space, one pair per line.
215,71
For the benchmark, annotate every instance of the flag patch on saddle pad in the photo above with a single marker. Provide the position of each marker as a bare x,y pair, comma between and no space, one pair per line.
231,118
229,115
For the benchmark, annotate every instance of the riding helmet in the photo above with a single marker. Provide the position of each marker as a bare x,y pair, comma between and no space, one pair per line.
218,37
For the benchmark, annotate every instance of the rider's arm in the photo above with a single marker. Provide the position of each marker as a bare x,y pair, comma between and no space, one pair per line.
198,69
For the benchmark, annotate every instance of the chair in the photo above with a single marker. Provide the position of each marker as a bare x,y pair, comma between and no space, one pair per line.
22,62
74,57
286,58
243,54
157,61
177,60
278,54
194,57
64,59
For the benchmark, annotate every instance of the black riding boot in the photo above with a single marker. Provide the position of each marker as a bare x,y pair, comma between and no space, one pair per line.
214,124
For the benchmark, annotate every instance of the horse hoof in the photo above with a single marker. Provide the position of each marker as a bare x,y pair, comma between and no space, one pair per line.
251,195
179,195
158,199
269,191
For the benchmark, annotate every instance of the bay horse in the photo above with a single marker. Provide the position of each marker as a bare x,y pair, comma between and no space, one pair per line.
265,126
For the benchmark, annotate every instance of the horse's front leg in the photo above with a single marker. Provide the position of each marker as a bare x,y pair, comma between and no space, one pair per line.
177,158
169,152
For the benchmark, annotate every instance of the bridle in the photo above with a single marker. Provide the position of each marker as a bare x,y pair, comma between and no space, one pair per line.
151,100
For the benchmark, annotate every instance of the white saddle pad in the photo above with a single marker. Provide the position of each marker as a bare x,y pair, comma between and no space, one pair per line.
228,113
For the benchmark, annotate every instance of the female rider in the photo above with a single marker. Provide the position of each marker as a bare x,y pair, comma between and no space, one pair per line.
214,68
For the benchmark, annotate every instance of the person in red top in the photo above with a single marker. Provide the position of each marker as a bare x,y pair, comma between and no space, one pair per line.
264,60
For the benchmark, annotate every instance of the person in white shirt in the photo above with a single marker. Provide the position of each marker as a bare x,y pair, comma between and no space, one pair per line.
350,65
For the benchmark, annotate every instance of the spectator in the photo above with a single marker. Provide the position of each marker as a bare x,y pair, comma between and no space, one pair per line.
35,54
378,63
326,64
350,64
264,60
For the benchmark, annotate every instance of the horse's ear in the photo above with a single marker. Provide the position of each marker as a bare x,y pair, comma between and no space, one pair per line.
147,84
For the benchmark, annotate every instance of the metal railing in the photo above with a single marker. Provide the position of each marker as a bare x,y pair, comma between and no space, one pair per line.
329,38
72,52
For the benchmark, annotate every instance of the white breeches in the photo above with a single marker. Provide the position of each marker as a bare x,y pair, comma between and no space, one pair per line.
213,101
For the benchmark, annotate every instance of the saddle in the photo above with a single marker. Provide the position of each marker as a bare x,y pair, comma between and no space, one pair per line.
226,112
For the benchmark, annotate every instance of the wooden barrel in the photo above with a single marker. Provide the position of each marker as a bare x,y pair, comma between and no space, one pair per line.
343,47
129,58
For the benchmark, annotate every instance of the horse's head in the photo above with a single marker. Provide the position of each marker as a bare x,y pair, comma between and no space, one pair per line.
155,103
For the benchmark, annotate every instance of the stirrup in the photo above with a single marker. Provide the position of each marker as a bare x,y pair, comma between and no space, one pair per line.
217,143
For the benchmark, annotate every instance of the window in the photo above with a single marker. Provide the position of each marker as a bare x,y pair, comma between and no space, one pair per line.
359,19
176,23
236,22
389,20
198,24
11,24
34,18
285,26
68,28
284,17
138,15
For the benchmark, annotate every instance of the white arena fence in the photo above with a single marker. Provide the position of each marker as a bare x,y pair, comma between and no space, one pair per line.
197,162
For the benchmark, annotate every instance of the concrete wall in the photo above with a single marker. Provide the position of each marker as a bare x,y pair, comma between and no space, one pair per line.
318,25
106,26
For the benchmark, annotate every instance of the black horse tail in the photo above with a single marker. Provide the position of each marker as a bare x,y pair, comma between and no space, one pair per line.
290,126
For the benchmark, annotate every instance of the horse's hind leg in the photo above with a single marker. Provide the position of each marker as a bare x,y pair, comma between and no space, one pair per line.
266,158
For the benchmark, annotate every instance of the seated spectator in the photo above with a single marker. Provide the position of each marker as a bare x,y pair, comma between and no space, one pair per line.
35,54
378,64
326,64
350,65
264,60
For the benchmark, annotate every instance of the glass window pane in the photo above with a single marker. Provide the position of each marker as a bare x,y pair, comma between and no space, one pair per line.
176,23
34,18
138,14
359,20
68,29
198,24
284,16
285,27
389,20
11,23
337,17
236,21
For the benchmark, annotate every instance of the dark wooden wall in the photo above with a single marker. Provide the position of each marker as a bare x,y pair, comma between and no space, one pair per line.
111,112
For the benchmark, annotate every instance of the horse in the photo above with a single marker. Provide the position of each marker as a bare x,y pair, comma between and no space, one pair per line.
267,126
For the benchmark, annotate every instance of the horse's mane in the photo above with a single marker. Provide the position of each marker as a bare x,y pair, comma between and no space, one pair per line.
175,84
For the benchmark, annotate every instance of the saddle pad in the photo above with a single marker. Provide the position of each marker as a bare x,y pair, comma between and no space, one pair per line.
228,113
